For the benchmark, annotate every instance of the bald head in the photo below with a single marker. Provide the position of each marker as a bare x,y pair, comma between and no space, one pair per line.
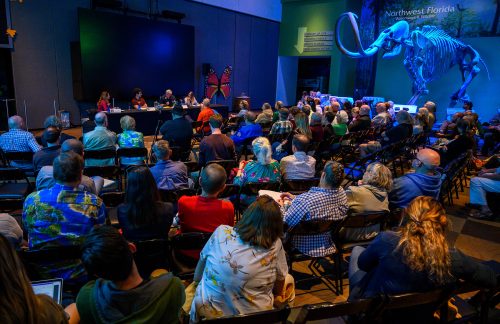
380,107
16,122
72,145
364,110
101,119
431,106
430,159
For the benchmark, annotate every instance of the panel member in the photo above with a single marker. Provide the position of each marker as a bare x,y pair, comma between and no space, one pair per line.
103,102
138,101
168,99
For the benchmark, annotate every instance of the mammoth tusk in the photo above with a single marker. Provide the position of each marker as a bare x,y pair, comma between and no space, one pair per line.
361,52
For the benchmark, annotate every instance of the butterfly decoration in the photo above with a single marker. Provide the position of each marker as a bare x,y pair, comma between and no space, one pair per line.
214,84
11,32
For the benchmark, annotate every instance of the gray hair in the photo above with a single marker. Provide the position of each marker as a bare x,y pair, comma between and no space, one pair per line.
404,117
101,118
52,120
127,123
262,150
161,149
16,122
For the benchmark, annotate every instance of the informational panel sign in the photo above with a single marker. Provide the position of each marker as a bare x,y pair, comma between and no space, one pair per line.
462,18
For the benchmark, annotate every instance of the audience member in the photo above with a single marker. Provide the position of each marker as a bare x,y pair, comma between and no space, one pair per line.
99,139
19,302
463,142
431,107
53,121
204,213
328,131
10,229
370,195
362,122
168,174
62,215
299,165
277,107
243,108
216,146
205,113
488,180
266,116
402,131
283,126
89,124
248,131
47,154
425,181
138,101
448,128
421,124
414,259
491,136
302,127
246,262
316,127
263,169
327,202
143,216
178,131
340,126
130,139
18,140
383,119
468,105
45,178
120,293
389,105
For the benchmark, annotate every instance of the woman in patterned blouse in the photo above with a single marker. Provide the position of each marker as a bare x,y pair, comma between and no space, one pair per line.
129,139
265,169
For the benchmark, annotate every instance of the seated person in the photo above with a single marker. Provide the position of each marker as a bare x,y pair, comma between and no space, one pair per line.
491,135
382,118
46,155
53,121
340,126
416,258
301,127
138,101
45,178
431,107
362,122
425,181
327,202
283,126
120,293
241,261
89,124
370,195
316,127
62,216
190,99
18,140
448,128
243,108
168,174
216,146
277,107
205,113
488,180
204,213
266,116
103,103
178,131
395,134
168,99
19,302
130,139
99,139
143,216
263,169
249,130
459,145
299,165
421,124
328,130
10,229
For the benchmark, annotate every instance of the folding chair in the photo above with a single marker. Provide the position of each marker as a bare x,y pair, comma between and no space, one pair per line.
132,152
181,265
270,316
14,187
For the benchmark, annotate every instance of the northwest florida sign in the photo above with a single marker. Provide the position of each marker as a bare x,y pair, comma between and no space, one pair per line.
458,18
321,41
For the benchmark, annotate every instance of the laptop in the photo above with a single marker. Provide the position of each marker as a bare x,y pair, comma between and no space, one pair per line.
50,287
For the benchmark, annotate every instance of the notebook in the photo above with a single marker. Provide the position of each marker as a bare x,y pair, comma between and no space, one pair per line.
51,288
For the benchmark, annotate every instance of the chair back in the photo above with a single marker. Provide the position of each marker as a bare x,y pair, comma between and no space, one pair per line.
270,316
107,171
14,187
192,166
18,156
325,311
140,152
113,199
228,165
12,174
183,266
252,188
229,191
314,227
299,186
32,258
151,255
277,137
365,219
196,124
180,153
173,196
100,154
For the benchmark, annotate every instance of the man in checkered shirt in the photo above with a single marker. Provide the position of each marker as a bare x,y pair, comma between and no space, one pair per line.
326,202
18,140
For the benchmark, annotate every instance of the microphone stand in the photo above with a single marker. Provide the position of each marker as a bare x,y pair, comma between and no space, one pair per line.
155,138
7,108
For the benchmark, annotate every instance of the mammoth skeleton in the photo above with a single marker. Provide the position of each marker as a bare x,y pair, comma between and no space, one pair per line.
429,53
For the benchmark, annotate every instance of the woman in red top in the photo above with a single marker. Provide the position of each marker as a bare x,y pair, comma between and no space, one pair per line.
138,101
103,103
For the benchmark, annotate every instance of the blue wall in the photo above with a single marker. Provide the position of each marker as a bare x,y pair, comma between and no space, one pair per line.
42,62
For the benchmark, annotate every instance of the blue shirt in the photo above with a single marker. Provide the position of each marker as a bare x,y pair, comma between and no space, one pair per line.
61,216
412,185
99,139
246,131
18,140
170,175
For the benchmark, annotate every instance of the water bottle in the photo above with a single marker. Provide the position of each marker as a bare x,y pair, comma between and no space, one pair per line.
156,105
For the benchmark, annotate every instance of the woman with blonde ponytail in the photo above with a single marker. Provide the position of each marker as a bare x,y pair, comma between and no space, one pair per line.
414,259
